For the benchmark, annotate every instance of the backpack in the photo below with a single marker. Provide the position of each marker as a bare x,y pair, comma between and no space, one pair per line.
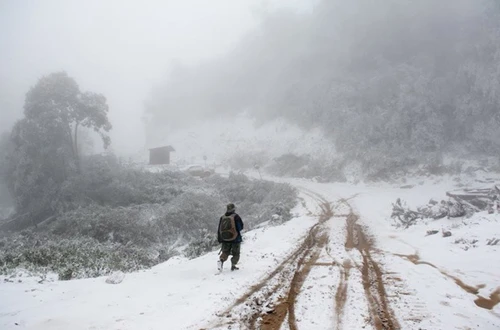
227,228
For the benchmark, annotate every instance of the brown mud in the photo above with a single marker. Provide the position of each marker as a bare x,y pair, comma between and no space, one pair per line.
286,306
381,314
341,294
487,303
272,301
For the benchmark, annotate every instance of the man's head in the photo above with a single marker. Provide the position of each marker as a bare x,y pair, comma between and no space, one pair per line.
230,207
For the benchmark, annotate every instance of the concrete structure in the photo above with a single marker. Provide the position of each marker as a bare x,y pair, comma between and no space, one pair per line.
160,155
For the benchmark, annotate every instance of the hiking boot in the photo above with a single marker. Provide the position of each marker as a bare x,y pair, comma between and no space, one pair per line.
220,263
233,267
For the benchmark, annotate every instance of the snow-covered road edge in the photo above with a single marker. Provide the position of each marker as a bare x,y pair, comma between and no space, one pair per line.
185,294
179,293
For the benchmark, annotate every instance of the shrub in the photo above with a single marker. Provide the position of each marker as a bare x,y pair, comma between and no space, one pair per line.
115,218
205,242
71,258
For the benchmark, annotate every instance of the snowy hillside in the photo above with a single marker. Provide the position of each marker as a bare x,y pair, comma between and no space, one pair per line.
221,140
358,140
339,264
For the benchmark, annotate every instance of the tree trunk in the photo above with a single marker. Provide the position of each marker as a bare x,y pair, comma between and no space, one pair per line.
77,156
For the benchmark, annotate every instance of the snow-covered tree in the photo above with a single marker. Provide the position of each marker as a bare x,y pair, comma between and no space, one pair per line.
397,82
45,141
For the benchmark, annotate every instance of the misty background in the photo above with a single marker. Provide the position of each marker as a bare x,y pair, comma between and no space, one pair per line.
360,86
398,77
75,81
392,84
118,48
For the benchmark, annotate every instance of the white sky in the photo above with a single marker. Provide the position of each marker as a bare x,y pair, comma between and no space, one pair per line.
115,47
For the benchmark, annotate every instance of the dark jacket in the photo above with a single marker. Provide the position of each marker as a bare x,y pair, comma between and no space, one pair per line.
239,227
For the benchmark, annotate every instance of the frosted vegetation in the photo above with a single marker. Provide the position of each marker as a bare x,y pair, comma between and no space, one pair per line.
116,218
83,215
393,85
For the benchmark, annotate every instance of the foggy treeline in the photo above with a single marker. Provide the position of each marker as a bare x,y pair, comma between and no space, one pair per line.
392,83
84,215
81,214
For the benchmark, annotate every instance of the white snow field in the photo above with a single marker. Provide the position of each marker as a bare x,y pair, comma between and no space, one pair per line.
222,140
339,264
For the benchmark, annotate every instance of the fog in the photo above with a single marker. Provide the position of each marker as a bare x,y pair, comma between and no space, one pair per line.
409,81
393,84
117,48
332,125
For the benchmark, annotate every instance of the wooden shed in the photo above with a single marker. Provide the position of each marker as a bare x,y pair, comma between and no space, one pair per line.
160,155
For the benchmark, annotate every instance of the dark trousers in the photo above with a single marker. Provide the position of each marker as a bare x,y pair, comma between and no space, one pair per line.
231,249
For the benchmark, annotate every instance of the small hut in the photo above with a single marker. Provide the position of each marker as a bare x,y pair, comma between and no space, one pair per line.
160,155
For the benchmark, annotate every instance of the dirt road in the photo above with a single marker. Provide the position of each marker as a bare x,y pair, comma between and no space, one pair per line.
319,279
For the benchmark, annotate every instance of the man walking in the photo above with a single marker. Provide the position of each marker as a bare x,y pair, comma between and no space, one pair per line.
229,234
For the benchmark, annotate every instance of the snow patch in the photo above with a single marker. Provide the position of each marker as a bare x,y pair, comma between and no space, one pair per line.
115,278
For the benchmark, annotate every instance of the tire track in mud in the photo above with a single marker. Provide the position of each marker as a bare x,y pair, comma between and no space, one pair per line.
273,299
274,321
316,241
341,294
270,302
382,315
314,195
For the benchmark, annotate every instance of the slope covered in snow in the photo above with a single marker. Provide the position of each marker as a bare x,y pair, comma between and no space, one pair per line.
432,282
223,140
339,264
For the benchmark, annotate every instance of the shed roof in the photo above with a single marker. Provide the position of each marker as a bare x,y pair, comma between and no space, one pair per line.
164,148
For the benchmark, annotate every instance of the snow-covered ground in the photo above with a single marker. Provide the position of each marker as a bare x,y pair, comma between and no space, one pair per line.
222,140
339,264
178,294
434,291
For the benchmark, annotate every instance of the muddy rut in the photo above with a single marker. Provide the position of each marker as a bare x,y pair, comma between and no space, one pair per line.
486,303
271,302
382,315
